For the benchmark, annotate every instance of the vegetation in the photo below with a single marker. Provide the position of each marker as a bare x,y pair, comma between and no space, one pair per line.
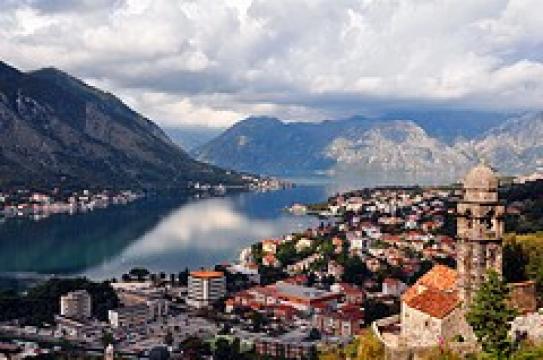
440,353
490,317
42,302
528,199
528,351
363,347
523,259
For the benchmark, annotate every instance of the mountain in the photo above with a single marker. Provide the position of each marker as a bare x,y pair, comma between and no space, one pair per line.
191,137
394,146
267,145
515,146
56,130
450,126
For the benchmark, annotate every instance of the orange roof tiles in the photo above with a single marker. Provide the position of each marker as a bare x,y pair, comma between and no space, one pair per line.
435,293
206,274
435,303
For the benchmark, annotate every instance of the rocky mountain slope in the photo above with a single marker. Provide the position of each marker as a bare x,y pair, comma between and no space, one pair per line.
515,146
268,145
394,146
56,130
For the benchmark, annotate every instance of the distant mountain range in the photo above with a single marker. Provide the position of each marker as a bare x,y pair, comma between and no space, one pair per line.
449,143
56,130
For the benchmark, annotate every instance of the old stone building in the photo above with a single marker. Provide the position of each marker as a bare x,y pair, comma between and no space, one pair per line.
433,309
480,229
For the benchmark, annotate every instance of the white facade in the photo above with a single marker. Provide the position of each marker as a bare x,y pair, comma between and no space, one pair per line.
205,288
76,305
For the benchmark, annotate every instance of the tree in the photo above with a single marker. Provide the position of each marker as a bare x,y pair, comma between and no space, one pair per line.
370,347
490,317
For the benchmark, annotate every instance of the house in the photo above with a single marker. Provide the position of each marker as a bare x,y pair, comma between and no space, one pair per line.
373,265
303,243
357,242
430,309
348,320
270,260
335,269
354,204
352,294
269,246
393,287
338,244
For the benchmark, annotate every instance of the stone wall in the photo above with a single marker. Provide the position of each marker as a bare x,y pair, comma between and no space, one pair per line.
522,297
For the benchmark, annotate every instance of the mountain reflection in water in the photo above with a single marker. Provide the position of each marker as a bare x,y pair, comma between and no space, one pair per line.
162,234
168,234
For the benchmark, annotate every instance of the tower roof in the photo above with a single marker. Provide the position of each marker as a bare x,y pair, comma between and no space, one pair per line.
481,177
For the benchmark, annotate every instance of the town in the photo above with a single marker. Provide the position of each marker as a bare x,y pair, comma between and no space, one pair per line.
397,265
37,205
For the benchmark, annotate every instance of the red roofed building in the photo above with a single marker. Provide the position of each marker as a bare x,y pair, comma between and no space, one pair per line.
270,260
431,309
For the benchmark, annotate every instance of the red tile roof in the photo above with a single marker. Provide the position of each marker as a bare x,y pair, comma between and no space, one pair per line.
435,303
435,293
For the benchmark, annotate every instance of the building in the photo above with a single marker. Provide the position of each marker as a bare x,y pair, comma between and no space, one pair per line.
345,321
302,298
393,287
480,230
76,305
431,310
139,314
269,246
205,288
335,269
129,316
276,348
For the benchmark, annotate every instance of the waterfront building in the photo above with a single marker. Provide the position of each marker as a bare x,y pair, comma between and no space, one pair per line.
76,305
205,288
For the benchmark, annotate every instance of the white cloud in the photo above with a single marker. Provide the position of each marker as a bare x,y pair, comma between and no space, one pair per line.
211,62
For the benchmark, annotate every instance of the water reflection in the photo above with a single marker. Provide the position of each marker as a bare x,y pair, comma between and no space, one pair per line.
198,234
168,234
161,234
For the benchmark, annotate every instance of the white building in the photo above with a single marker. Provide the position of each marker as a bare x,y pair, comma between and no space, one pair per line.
205,288
76,305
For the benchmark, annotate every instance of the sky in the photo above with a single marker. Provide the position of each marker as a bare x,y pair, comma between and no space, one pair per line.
210,63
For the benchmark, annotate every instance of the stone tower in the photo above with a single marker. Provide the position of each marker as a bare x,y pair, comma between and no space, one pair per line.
480,228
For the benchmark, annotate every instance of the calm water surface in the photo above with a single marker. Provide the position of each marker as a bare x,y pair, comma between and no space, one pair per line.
162,234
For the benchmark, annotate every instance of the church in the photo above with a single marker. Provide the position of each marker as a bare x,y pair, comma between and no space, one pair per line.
433,309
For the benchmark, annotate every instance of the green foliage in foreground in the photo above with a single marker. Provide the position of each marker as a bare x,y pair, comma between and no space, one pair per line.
42,302
490,317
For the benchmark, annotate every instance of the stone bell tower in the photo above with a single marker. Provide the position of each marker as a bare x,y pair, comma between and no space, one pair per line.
480,229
